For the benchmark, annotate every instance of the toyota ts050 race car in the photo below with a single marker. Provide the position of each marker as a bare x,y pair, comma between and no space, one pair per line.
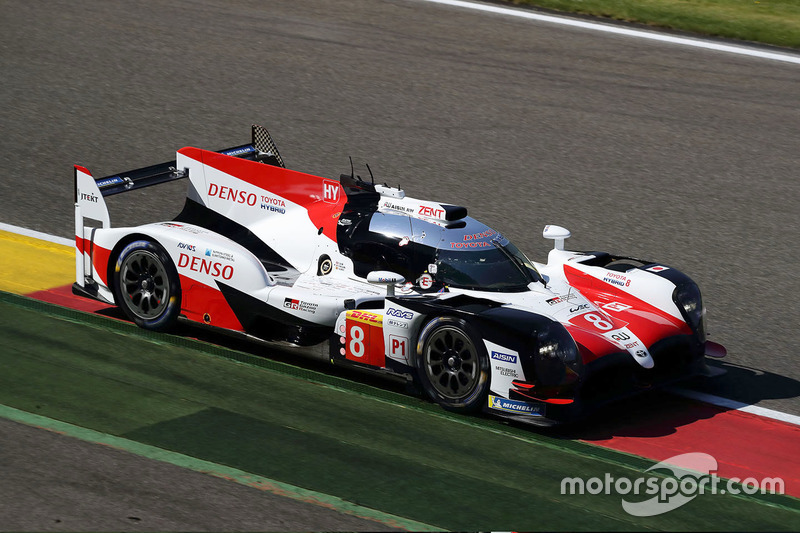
360,274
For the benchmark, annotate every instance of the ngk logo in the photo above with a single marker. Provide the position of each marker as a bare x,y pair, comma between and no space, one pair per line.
330,191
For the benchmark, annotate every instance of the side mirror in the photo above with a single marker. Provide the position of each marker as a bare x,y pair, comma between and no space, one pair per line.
558,234
384,277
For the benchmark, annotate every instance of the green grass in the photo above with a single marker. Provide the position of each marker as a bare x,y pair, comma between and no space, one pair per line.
775,22
365,445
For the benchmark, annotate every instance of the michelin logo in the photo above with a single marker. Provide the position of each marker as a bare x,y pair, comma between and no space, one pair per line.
513,406
505,357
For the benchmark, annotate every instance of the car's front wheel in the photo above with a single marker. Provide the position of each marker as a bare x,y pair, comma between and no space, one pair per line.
147,286
452,364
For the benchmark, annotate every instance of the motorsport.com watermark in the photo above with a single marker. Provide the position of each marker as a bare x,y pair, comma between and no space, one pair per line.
693,474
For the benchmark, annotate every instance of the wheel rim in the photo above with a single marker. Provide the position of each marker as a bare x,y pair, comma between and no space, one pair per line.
451,363
144,284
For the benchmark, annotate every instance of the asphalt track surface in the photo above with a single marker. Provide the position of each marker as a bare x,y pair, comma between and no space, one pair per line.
658,151
65,484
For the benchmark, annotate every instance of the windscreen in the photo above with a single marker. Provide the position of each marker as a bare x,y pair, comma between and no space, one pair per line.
494,268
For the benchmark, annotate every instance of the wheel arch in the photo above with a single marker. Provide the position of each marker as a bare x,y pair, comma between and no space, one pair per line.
113,257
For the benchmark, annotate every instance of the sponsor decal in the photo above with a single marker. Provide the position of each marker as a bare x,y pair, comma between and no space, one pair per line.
365,317
299,305
275,205
238,196
88,197
507,372
428,211
478,244
396,323
398,346
658,268
239,151
399,313
640,353
615,306
617,279
561,299
245,197
345,222
190,247
205,266
426,281
478,236
504,357
397,207
109,181
514,406
579,308
220,255
330,191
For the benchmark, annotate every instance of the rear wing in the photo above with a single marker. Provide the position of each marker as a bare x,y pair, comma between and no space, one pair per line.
90,192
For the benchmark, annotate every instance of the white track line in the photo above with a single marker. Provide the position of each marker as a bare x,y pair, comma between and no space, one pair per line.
733,404
694,395
621,30
36,234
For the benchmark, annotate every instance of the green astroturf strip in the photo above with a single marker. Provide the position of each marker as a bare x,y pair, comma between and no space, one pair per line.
367,446
206,467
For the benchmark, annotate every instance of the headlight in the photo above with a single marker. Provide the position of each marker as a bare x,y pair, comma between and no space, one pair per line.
554,351
687,297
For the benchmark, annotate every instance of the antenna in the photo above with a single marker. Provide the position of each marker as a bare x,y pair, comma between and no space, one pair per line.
352,171
370,173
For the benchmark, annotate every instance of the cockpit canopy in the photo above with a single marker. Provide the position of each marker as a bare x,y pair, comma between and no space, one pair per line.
464,254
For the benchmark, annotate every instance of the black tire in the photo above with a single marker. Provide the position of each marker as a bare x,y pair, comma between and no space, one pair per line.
146,286
452,364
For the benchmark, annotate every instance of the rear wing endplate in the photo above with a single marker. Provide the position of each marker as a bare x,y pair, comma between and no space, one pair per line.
90,192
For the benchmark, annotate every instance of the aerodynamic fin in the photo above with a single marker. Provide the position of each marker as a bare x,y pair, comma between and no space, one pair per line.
265,146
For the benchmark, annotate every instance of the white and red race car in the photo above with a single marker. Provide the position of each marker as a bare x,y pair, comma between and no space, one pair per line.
361,274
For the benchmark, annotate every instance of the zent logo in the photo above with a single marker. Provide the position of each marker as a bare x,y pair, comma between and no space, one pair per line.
330,190
428,211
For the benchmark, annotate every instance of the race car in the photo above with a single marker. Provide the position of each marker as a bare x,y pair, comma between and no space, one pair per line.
359,274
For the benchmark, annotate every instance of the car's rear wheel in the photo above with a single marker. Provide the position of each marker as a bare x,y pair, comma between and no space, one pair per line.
452,364
147,286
